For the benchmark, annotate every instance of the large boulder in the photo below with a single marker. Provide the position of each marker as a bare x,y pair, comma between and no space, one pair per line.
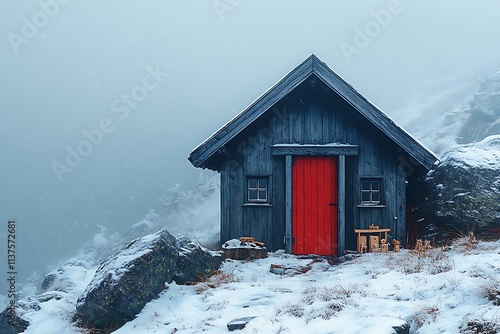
194,263
465,189
126,281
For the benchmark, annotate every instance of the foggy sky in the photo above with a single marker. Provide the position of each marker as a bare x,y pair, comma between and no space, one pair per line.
72,74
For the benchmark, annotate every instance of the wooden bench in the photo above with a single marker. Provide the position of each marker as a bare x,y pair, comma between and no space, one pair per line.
374,241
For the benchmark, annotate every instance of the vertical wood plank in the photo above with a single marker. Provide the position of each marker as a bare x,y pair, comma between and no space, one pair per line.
341,205
288,203
225,202
401,206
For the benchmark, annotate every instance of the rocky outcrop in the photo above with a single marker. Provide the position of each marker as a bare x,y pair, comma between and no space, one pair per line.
483,112
59,280
465,188
11,323
126,281
239,323
194,263
12,319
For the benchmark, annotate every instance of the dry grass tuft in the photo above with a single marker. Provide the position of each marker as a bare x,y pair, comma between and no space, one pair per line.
428,313
215,280
293,309
491,290
466,243
433,261
480,327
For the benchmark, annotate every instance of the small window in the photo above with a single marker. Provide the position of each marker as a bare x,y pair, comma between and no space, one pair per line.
257,189
371,191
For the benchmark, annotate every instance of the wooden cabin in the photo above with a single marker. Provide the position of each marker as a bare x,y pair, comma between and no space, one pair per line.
310,161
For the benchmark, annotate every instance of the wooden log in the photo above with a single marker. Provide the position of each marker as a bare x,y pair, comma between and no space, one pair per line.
247,239
245,253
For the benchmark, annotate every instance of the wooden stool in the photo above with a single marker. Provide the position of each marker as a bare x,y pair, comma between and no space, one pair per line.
419,247
361,241
374,243
397,245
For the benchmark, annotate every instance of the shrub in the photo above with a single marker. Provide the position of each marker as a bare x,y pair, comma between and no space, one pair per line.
480,327
426,314
294,309
433,261
491,290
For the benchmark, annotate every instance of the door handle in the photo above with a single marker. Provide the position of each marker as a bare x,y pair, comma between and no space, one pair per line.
332,204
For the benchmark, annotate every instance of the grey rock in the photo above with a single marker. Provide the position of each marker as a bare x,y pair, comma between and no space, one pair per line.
194,262
58,280
239,323
277,269
463,192
126,281
12,319
483,112
403,329
11,323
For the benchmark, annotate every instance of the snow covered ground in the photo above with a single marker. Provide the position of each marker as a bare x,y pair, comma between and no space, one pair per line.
439,291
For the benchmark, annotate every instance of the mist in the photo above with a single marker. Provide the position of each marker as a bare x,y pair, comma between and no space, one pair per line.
101,102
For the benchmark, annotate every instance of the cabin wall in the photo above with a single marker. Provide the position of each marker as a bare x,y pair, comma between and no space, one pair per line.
309,115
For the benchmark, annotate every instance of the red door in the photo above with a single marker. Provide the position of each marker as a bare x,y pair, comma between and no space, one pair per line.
314,205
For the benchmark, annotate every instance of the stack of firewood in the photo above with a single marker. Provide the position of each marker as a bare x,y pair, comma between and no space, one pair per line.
250,241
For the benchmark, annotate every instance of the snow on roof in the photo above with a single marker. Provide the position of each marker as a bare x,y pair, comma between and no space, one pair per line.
311,66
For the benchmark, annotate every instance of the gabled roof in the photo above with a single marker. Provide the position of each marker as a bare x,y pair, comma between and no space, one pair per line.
201,155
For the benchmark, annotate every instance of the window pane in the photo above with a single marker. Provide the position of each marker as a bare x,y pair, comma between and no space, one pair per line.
365,185
252,183
375,197
252,195
375,185
365,196
263,195
263,184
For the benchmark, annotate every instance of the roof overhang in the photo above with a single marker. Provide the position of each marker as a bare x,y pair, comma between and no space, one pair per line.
202,156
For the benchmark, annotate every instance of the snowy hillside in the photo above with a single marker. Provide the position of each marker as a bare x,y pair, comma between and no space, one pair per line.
445,290
454,111
439,291
483,154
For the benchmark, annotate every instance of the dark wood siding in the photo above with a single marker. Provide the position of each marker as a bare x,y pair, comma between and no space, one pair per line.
308,115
